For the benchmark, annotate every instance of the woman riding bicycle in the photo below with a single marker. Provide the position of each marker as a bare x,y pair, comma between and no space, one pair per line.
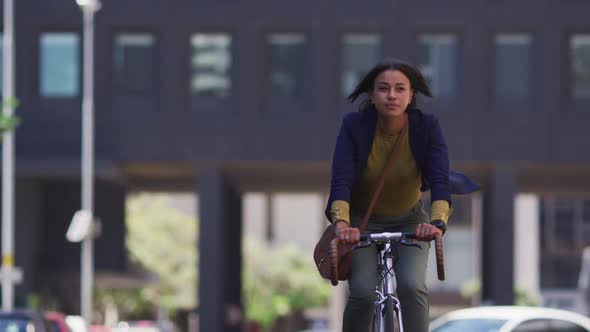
363,147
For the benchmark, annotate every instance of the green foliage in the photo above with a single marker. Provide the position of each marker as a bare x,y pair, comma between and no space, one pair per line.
11,102
33,301
164,241
471,288
278,281
9,122
130,303
521,296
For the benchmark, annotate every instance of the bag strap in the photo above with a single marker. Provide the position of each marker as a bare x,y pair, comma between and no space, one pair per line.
381,182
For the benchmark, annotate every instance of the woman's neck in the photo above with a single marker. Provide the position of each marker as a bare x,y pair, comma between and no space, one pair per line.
391,126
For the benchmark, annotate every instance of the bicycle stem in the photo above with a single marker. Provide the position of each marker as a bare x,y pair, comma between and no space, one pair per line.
390,282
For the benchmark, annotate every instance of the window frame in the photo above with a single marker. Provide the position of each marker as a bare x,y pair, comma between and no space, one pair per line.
551,252
342,62
39,68
230,71
570,73
154,90
531,88
211,104
283,105
455,37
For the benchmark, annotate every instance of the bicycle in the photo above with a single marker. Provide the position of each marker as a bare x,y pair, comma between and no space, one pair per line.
387,305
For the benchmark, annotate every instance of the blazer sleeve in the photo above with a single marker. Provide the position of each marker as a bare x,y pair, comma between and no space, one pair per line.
438,163
343,167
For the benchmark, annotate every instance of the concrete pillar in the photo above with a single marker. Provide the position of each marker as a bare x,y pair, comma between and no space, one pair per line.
498,236
527,234
110,251
28,213
220,259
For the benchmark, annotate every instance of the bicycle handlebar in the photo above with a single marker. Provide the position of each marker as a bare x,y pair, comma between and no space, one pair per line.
386,236
440,257
383,237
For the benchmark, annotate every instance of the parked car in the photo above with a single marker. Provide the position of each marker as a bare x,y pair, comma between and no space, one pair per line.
76,323
23,320
57,320
511,319
140,326
98,328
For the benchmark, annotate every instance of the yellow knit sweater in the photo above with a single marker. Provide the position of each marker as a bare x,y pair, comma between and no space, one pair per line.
401,190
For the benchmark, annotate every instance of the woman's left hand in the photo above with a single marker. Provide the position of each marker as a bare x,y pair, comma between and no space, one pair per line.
426,232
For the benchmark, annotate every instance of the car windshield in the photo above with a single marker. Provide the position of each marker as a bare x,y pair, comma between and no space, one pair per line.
15,325
471,325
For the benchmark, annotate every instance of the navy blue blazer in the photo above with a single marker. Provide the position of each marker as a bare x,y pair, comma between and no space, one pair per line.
355,141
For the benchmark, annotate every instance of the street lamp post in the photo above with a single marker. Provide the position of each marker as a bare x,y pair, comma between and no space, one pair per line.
8,160
89,8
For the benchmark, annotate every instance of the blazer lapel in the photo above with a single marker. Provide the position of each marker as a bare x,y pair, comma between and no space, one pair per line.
367,128
416,135
418,143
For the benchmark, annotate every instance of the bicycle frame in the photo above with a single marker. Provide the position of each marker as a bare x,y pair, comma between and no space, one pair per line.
386,288
387,303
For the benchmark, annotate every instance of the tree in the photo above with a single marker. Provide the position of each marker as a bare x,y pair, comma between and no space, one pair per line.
280,281
164,241
277,281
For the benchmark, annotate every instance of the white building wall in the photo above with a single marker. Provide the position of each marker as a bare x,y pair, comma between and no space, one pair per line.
254,214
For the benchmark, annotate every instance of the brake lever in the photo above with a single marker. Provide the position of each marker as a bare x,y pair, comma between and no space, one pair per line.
361,245
406,243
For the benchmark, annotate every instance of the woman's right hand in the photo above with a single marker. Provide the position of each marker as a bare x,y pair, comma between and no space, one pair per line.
347,234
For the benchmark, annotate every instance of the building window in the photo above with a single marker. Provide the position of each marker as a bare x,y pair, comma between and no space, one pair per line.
287,64
438,62
59,64
360,52
135,63
211,64
580,65
566,232
513,66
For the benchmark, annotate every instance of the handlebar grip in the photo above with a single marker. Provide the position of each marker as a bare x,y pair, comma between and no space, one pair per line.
334,261
440,259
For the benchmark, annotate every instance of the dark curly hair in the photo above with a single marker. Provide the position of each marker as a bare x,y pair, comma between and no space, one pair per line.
417,81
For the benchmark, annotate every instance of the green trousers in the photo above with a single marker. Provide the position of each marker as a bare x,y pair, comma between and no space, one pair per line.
410,271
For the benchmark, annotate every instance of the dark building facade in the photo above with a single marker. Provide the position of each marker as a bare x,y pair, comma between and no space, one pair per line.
221,97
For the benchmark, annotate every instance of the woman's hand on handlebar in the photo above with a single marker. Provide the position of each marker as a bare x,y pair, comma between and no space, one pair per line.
345,233
427,232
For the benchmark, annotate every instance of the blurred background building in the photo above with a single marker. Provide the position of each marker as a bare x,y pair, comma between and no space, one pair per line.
240,103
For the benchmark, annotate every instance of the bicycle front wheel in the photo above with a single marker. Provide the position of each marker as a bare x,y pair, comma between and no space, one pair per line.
383,317
388,317
377,320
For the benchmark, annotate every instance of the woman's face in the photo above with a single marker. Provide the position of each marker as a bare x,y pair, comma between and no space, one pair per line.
391,93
